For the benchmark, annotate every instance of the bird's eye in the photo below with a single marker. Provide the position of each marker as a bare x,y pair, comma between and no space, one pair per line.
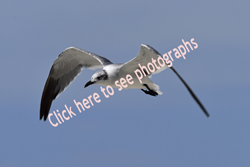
99,78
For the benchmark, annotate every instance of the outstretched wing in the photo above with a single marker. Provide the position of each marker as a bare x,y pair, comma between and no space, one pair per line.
144,56
64,70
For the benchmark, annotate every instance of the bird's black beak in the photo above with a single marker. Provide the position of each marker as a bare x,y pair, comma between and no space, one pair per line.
88,83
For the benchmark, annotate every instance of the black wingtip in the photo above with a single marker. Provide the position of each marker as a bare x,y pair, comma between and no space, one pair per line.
44,117
207,114
47,97
191,92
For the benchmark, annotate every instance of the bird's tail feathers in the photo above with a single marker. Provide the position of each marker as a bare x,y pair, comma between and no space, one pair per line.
157,89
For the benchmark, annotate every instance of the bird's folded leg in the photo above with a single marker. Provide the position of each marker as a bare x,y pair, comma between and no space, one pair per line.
149,91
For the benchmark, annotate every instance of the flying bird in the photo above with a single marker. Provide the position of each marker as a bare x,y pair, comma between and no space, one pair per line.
72,60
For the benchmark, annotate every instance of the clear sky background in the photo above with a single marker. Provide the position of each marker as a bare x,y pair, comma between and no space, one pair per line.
129,128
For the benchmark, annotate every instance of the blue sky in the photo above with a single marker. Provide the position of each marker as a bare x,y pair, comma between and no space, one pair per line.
137,130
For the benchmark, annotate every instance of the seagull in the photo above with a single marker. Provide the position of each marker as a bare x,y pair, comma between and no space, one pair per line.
72,60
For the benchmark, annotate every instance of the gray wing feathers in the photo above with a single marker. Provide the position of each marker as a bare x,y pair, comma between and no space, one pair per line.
72,57
64,70
65,80
144,56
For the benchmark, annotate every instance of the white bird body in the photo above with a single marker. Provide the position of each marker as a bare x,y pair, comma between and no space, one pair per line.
115,71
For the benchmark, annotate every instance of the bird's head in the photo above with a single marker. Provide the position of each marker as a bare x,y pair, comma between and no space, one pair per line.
97,78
